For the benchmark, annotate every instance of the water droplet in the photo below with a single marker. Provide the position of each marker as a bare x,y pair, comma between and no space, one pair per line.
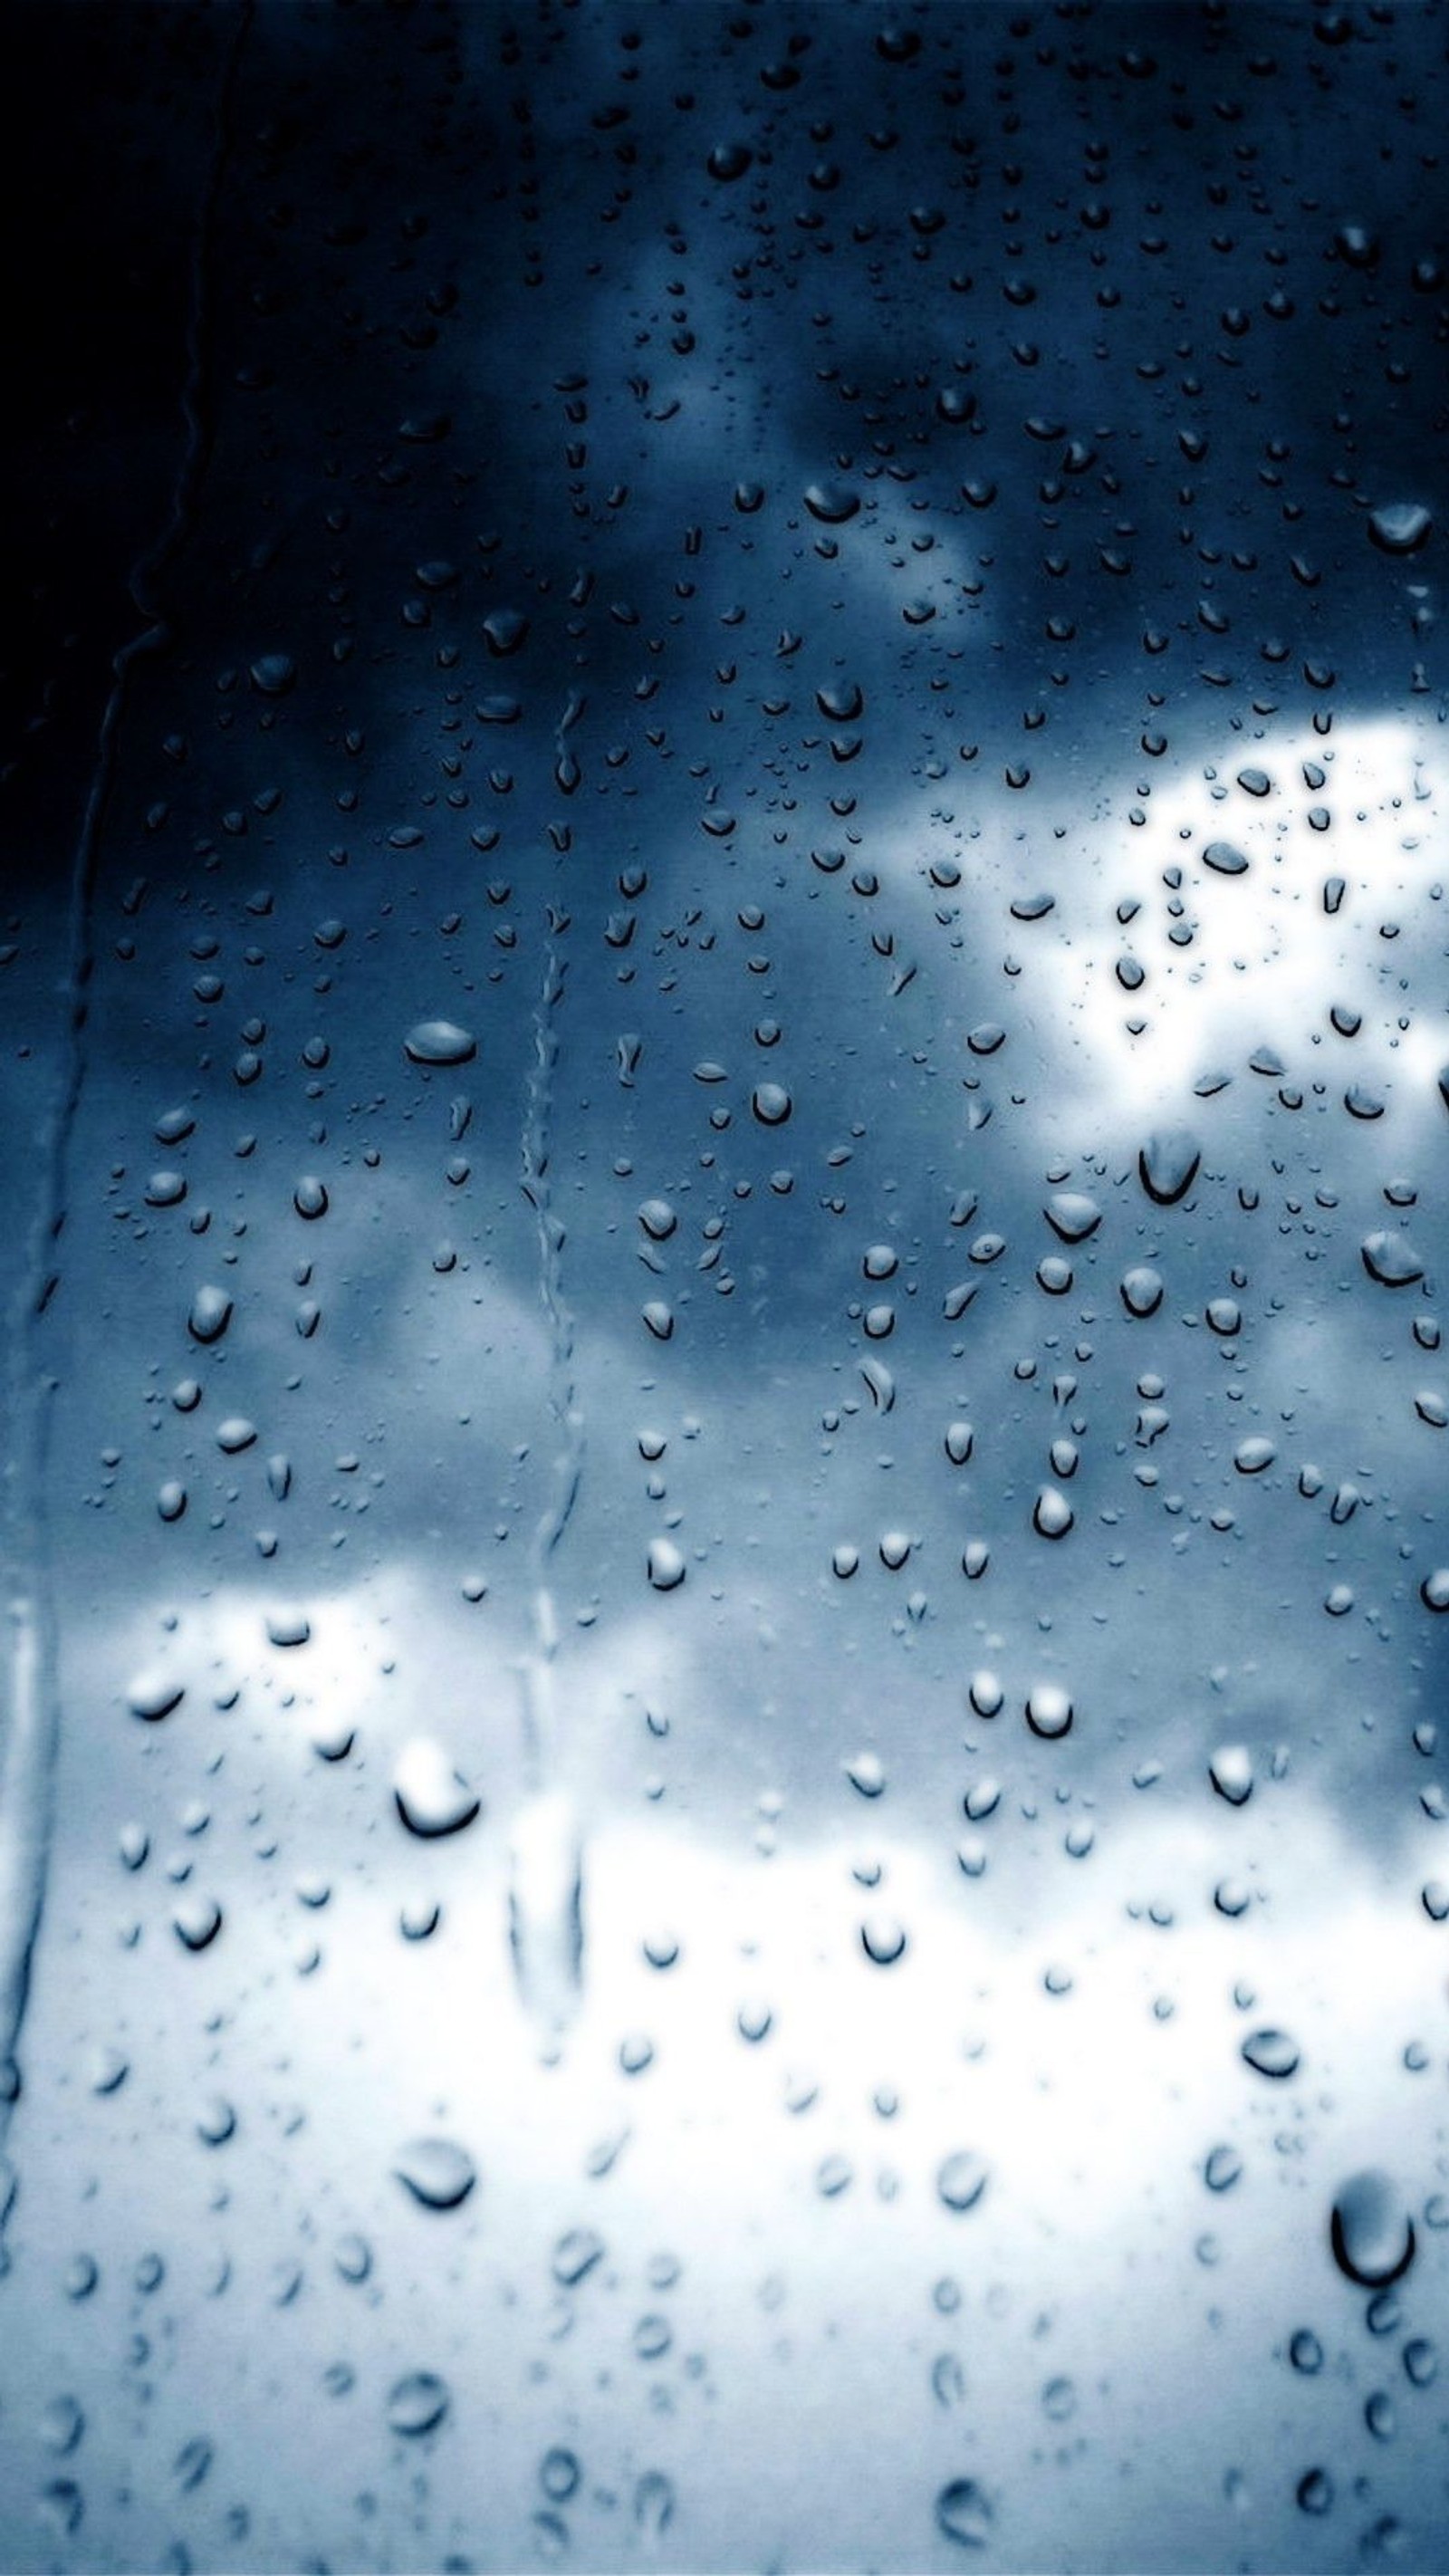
1370,2230
1390,1258
575,2255
883,1940
154,1695
432,1798
962,2180
1168,1164
1142,1290
1251,1456
438,2174
964,2513
1399,527
771,1103
417,2403
273,674
1271,2052
667,1568
832,503
62,2425
1073,1216
866,1772
559,2474
196,1922
1231,1773
211,1311
1049,1710
653,2504
1052,1515
729,161
440,1042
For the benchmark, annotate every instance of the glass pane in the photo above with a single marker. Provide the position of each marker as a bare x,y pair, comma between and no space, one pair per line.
722,1817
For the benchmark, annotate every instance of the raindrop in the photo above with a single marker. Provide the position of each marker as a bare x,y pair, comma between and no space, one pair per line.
154,1695
961,2180
211,1311
1168,1164
964,2514
1390,1258
1049,1710
440,1042
1231,1773
432,1798
438,2174
1073,1216
1271,2052
1052,1515
832,503
1370,2230
1142,1290
667,1568
1399,527
417,2403
729,161
1251,1456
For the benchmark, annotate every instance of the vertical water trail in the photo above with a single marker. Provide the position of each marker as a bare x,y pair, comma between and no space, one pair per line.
545,1892
29,1680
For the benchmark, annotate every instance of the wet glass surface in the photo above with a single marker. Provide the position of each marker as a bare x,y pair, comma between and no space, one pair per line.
722,1795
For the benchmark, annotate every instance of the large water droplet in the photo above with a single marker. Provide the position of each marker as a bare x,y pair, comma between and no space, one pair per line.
1168,1164
964,2513
440,1042
833,503
1231,1773
1390,1258
1073,1216
155,1695
962,2180
418,2403
1049,1710
1271,2052
667,1568
432,1798
1399,527
1142,1290
210,1314
1370,2230
438,2174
